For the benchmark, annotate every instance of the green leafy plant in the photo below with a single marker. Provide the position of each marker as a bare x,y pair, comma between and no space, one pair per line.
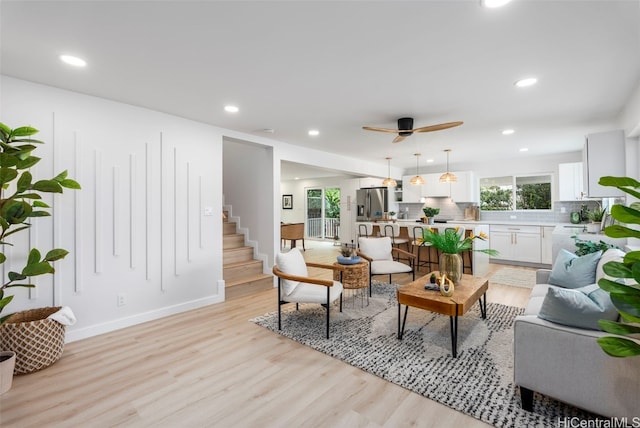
20,201
625,297
588,247
430,212
450,242
596,214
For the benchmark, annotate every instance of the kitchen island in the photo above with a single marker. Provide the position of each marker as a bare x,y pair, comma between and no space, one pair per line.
475,263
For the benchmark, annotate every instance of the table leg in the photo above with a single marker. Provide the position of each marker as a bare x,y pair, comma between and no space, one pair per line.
404,321
453,322
483,306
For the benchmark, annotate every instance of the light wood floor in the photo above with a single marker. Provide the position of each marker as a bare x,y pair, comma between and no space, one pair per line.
212,368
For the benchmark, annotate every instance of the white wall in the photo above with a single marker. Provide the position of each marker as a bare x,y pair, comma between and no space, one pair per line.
248,179
137,226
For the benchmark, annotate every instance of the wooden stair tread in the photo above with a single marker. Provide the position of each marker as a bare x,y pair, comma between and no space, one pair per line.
245,263
247,279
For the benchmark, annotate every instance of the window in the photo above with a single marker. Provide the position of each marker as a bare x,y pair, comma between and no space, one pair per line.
531,192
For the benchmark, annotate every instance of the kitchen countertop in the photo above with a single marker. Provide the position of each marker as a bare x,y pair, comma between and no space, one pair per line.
404,222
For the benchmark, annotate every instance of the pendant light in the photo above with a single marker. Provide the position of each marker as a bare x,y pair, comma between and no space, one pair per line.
417,180
389,182
448,177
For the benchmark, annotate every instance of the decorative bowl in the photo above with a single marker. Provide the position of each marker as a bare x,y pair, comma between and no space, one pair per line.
348,260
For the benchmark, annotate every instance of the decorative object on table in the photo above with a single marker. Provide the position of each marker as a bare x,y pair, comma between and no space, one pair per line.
287,202
7,364
21,203
432,278
429,214
626,296
451,244
348,256
392,215
595,216
446,286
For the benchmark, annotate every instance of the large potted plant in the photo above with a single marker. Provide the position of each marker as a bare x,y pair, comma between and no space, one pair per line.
625,297
20,203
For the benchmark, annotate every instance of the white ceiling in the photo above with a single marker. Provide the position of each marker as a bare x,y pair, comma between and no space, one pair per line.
336,66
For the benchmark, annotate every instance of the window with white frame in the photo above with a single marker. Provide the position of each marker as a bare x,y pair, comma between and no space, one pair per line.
508,193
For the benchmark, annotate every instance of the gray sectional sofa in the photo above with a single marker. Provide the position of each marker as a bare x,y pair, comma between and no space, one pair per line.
567,364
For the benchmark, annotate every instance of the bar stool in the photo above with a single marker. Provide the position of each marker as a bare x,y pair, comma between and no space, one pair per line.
416,235
365,230
393,231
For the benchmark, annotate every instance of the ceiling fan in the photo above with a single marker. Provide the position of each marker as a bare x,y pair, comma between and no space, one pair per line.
405,128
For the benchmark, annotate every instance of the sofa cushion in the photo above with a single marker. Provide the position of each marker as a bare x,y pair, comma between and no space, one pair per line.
571,271
579,307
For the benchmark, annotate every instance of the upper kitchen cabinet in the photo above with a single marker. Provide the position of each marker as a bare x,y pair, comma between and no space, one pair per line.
464,190
434,188
370,182
570,181
603,155
411,192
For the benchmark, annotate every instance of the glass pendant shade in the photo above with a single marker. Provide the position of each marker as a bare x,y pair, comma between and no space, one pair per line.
448,177
389,182
417,180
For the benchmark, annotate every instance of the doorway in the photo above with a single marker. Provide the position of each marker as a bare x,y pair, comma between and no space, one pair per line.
323,212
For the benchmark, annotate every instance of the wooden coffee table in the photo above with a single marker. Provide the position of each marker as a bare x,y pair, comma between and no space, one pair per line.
470,290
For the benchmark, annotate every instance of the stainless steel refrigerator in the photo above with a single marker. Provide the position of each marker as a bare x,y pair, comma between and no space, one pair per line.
372,203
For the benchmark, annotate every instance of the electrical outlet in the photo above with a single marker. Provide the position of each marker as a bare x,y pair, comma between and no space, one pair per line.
563,210
512,217
121,299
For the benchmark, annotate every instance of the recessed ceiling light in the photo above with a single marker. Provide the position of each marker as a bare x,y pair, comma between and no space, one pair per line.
73,60
429,160
231,109
314,132
508,132
493,3
526,82
524,149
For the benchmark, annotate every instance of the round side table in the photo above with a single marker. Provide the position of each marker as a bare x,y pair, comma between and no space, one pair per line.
354,277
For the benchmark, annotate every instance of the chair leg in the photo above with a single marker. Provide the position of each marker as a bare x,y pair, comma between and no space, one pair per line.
279,306
328,306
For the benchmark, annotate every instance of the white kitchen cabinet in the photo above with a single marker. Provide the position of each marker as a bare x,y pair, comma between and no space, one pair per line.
434,188
411,192
603,155
570,181
516,243
546,244
370,182
464,190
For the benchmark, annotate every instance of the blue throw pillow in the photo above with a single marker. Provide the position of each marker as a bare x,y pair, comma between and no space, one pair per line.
571,271
579,307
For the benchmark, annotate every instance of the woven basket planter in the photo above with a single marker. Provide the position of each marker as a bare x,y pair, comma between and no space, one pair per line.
37,341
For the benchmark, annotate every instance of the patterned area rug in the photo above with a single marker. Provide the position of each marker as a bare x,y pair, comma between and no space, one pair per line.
479,382
514,277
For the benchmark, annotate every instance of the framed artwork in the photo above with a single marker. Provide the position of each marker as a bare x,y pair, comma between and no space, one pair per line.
287,202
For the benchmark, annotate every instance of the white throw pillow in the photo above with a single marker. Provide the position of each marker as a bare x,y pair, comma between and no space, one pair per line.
376,248
292,263
611,255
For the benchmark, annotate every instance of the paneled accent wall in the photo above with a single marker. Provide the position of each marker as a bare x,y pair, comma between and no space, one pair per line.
140,244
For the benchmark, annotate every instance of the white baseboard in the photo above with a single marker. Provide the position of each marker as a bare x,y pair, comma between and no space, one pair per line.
95,330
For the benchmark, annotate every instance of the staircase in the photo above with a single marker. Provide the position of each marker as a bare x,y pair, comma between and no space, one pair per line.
241,272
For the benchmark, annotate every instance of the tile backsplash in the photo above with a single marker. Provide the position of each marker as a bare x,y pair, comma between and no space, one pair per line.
559,214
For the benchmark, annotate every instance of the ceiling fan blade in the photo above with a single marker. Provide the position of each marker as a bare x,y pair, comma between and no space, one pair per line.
372,128
438,127
398,139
